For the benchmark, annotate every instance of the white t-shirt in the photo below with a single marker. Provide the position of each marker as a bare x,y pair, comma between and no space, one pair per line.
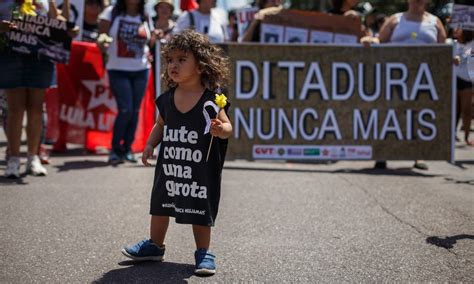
464,52
128,50
211,25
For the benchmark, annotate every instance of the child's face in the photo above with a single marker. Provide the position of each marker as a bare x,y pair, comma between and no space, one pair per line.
182,66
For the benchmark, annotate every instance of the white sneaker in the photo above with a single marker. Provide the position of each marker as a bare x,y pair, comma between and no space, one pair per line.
34,166
13,167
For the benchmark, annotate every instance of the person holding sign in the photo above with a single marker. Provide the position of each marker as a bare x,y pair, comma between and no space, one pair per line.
186,186
25,79
127,67
415,26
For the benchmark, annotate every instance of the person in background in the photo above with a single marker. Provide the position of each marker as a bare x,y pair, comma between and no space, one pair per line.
414,26
204,20
163,20
232,28
465,91
267,7
343,7
90,25
25,79
127,66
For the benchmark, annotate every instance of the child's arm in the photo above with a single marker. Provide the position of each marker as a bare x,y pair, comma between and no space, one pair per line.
154,139
221,126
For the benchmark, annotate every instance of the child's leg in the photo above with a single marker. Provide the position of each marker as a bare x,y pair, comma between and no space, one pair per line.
202,236
158,228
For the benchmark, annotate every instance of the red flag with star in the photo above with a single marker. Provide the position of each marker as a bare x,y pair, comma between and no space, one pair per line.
87,108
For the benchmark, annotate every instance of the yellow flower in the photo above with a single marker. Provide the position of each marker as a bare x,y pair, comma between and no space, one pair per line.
414,35
221,100
27,8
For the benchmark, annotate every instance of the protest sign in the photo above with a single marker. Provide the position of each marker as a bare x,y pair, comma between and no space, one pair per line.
341,102
41,36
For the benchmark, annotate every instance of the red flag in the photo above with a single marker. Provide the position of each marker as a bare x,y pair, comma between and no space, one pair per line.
87,108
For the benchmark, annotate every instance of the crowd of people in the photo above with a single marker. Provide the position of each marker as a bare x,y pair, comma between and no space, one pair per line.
24,87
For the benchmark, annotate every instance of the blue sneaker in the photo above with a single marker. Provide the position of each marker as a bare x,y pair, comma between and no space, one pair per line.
130,157
205,262
144,250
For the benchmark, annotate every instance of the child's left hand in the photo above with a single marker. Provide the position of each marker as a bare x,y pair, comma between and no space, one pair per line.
216,127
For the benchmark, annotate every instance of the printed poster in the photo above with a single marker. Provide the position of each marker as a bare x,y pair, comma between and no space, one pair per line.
296,35
272,33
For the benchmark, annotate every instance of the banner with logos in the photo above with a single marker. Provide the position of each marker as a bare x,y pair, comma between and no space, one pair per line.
85,108
41,36
341,102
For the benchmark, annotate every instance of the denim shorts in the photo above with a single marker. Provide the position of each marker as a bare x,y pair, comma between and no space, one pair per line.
24,71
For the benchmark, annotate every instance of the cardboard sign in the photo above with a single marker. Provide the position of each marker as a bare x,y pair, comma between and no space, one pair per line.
41,36
463,17
341,102
321,27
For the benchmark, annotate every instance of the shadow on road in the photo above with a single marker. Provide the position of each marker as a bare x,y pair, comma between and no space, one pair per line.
462,163
148,272
81,165
8,181
448,242
459,181
366,171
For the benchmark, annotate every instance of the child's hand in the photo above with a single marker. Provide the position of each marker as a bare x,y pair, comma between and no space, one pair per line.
216,127
147,153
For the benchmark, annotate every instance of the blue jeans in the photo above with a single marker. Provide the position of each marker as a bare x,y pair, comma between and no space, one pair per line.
128,88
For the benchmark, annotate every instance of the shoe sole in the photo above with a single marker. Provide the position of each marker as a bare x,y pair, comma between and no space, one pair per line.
145,258
12,176
36,174
204,271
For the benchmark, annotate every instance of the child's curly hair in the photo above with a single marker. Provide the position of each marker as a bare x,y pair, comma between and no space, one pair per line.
212,61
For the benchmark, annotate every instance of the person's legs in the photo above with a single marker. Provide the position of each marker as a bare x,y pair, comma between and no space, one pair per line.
458,113
465,97
158,228
122,90
139,84
34,111
16,100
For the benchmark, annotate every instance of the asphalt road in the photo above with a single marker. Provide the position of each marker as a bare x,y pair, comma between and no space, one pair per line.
278,222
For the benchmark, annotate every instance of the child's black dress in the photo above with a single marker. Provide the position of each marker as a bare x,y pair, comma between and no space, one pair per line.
185,185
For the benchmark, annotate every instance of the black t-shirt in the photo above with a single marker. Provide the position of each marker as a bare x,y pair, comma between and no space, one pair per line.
185,185
90,32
